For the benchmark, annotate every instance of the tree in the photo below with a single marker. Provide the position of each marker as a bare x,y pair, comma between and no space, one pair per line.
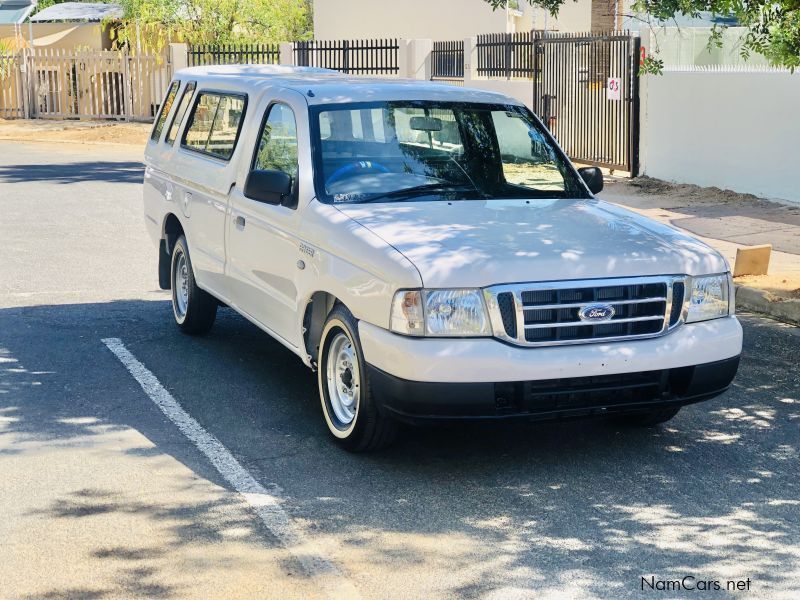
150,24
773,25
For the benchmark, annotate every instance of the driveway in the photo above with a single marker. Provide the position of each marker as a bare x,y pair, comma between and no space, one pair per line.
103,495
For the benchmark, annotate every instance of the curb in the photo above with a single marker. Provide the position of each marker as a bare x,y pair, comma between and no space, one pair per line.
763,302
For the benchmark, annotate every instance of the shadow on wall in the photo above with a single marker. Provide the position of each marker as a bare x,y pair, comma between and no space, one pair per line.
581,507
77,172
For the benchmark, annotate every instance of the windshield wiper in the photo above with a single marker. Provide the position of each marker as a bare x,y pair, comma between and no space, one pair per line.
421,190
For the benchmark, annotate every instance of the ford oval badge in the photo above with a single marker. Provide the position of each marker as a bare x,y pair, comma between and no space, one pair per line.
596,313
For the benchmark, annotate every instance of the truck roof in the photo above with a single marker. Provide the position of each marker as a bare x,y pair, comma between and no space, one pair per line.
324,86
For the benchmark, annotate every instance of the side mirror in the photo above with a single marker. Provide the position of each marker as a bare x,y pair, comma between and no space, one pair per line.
269,186
593,177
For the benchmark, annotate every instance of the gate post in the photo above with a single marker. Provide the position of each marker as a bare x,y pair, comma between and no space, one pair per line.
23,84
178,56
286,53
509,38
470,59
635,124
127,92
417,58
33,85
536,44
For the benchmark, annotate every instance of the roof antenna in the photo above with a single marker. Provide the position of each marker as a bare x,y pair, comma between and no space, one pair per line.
310,94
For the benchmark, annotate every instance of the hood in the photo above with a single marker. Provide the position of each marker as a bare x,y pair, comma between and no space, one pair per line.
482,243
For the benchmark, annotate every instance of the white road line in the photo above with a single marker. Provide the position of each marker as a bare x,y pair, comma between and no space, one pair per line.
267,505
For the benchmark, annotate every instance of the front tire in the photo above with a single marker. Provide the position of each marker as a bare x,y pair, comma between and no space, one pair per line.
350,410
194,309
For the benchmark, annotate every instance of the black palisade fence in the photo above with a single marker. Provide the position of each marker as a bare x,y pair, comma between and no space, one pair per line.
356,57
506,55
231,54
447,60
586,91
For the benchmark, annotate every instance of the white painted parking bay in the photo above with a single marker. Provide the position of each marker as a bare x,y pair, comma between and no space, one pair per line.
265,504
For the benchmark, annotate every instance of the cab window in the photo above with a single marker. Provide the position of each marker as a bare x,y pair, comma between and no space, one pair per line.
186,99
277,146
527,158
214,125
166,106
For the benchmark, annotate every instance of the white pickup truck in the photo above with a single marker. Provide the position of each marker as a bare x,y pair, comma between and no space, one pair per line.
429,251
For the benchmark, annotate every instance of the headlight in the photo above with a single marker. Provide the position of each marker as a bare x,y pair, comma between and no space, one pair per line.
440,313
709,298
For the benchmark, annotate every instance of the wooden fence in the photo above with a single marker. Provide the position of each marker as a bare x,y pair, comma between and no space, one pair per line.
231,54
12,87
356,57
70,84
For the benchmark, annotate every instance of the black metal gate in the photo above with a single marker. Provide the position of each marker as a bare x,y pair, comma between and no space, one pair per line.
586,90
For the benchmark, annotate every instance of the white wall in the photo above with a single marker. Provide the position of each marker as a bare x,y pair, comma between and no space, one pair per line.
573,16
520,90
733,130
432,19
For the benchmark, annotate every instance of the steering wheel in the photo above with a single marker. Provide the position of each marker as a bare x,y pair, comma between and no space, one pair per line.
361,166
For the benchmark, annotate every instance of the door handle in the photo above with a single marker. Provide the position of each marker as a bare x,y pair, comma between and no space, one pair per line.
239,222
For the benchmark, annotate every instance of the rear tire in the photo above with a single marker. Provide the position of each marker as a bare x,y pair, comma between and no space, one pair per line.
194,309
650,418
348,406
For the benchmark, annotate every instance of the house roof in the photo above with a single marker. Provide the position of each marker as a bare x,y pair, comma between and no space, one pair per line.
78,11
15,11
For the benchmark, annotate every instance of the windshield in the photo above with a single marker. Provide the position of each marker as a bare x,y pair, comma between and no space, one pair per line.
401,151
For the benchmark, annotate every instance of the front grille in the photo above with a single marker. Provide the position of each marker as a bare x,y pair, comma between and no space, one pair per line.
506,303
597,392
540,314
581,392
677,302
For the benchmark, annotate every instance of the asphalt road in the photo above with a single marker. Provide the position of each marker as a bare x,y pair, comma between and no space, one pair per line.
102,496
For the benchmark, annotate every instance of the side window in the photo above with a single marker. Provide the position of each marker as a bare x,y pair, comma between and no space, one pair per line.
186,99
527,158
214,125
277,146
165,108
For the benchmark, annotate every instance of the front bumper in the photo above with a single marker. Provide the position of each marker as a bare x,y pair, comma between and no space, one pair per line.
420,379
573,397
487,360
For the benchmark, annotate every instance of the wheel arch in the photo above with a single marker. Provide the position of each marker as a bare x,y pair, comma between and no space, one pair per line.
318,307
171,230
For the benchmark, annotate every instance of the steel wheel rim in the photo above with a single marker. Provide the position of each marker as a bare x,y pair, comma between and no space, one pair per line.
343,379
181,285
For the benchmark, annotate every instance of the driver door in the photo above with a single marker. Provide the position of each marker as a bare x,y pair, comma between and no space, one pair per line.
261,238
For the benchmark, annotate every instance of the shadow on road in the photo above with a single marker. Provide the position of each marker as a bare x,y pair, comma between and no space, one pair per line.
560,507
75,172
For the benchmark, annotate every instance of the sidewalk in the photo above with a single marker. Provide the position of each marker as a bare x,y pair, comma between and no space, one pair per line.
727,221
81,132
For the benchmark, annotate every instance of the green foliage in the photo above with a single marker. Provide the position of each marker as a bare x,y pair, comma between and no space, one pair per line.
773,25
6,59
651,65
151,24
